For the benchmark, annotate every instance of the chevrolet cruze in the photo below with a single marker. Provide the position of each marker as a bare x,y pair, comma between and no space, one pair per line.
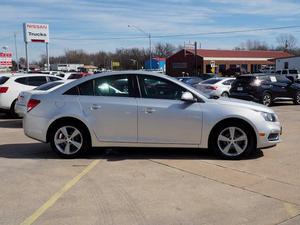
140,109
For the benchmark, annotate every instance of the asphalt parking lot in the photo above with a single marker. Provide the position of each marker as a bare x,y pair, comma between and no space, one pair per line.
149,186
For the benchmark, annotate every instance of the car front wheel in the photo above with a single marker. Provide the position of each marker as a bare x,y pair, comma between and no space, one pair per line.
232,141
69,140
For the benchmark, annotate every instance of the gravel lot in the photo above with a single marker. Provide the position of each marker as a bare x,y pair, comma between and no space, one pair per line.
149,186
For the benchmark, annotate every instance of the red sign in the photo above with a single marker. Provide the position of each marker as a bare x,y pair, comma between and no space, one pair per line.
5,59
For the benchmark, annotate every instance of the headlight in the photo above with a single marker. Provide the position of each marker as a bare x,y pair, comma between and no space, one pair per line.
270,117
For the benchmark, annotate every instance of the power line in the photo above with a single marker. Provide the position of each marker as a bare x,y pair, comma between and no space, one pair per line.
179,35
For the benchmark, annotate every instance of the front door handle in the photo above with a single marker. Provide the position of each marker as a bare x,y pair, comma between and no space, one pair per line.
149,110
95,107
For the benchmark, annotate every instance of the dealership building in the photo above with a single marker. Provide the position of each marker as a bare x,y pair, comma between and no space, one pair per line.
218,61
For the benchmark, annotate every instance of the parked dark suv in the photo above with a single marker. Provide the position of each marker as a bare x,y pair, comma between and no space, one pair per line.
266,88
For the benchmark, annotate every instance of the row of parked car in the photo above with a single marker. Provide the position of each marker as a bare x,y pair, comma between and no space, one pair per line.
11,85
260,87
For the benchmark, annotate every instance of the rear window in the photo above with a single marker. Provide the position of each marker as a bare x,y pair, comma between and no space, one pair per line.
3,79
74,76
48,86
54,78
211,81
36,81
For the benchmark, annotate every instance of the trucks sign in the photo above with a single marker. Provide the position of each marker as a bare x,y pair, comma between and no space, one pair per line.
34,32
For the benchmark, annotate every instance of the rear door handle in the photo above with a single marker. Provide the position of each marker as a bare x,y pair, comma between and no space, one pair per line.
149,110
95,107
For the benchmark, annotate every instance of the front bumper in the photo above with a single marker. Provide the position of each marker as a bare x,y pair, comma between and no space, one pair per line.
270,135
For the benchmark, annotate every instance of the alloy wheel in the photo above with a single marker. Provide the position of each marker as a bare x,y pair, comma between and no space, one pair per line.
68,140
232,141
267,100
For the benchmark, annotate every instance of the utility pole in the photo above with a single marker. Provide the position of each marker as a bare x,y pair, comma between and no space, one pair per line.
149,37
16,51
196,54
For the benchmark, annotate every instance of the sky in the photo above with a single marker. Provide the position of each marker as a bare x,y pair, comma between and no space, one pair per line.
108,20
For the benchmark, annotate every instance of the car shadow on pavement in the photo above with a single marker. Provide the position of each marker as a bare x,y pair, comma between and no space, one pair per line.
12,123
43,151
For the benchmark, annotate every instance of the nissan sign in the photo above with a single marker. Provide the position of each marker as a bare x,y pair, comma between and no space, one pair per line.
34,32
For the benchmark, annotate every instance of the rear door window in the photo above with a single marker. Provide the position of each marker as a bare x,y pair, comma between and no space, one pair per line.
36,81
293,72
117,86
284,72
228,82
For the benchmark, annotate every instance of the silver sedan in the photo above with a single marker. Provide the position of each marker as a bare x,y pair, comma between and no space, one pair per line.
139,109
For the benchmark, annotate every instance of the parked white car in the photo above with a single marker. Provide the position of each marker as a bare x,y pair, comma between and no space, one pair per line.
12,85
70,76
218,86
24,96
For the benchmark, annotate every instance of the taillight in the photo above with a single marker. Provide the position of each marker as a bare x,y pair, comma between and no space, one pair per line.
32,103
3,89
211,87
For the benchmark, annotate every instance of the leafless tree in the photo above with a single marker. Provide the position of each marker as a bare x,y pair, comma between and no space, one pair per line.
286,41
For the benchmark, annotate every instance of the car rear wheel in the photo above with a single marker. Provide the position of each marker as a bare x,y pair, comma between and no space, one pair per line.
231,141
225,94
267,99
69,140
297,98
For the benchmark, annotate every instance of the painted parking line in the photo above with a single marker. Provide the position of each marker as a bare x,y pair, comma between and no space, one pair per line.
51,201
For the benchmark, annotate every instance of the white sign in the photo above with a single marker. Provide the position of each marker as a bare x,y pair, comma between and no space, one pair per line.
34,32
5,59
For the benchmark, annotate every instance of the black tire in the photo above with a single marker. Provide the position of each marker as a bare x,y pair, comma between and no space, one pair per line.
83,138
297,98
249,146
12,109
266,99
225,94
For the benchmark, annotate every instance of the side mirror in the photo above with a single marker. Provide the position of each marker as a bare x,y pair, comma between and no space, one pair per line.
187,97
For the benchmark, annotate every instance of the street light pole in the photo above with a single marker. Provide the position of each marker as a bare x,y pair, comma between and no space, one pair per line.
149,36
16,49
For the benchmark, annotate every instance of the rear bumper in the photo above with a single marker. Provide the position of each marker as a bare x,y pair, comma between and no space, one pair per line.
35,127
20,109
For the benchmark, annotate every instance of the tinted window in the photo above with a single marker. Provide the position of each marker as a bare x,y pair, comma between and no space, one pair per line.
72,91
283,79
278,72
158,88
61,75
3,79
74,76
36,81
293,72
48,86
112,86
210,81
22,80
54,78
86,88
284,71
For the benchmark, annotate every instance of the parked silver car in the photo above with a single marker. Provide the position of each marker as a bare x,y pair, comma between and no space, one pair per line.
140,109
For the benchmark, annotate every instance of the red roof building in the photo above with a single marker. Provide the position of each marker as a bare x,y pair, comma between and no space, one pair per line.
220,61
